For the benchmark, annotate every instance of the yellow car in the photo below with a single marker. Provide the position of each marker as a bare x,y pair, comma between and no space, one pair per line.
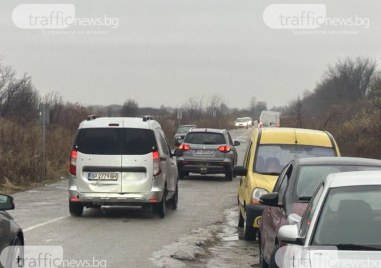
269,150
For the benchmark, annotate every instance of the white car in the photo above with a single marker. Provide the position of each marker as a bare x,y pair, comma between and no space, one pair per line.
341,226
243,122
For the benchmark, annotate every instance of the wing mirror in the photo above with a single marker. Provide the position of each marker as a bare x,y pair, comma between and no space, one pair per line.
270,199
288,233
6,202
239,171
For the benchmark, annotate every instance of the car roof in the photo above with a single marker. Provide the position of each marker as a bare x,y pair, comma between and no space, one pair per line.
213,130
125,122
354,178
281,135
310,161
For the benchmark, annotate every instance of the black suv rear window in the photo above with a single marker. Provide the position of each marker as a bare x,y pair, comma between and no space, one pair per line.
205,138
111,141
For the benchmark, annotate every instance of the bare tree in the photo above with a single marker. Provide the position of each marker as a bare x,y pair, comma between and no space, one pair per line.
194,108
130,108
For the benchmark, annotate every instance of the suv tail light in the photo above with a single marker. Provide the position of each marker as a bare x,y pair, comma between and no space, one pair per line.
184,147
156,163
73,162
224,149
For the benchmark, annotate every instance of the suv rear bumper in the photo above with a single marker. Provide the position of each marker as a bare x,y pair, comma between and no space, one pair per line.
254,215
131,199
207,167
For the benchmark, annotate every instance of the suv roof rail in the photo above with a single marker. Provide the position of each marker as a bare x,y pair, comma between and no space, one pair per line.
92,117
147,117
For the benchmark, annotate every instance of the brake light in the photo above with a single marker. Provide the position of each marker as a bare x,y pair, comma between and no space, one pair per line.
156,163
224,149
73,162
184,147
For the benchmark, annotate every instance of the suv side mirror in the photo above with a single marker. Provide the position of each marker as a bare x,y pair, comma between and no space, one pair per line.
236,143
239,171
6,202
270,199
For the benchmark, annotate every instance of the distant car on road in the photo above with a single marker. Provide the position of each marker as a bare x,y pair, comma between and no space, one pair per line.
341,226
269,119
11,235
207,151
181,131
121,161
294,188
243,122
269,150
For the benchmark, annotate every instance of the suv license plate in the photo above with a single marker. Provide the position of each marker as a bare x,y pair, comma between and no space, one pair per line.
103,176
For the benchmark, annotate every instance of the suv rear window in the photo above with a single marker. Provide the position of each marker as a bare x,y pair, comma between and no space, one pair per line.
111,141
205,138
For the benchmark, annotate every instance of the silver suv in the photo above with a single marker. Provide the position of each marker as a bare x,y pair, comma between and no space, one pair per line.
207,151
121,161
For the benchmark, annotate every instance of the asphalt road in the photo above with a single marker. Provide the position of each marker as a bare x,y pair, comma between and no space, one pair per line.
125,237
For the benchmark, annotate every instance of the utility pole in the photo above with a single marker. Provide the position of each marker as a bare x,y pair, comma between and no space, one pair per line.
179,115
44,119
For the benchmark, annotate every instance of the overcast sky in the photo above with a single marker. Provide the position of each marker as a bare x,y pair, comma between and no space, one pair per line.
165,51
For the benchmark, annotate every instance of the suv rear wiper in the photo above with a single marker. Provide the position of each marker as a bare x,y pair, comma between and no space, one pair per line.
305,198
357,247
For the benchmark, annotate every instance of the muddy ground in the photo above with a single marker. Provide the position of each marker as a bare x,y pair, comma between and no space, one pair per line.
219,245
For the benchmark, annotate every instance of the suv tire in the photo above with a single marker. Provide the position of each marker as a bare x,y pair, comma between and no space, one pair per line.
175,198
229,174
161,207
76,209
182,174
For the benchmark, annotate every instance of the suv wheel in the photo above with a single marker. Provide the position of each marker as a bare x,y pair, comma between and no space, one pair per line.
229,174
182,174
161,207
76,209
175,198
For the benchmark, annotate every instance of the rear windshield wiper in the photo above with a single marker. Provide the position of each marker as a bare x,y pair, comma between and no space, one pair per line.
358,247
305,198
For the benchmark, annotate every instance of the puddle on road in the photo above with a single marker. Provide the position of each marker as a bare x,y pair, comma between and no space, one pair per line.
219,245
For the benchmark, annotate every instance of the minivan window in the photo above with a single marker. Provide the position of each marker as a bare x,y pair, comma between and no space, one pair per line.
271,158
204,138
112,141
